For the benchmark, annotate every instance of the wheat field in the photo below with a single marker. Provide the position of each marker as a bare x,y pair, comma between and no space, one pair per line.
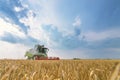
59,70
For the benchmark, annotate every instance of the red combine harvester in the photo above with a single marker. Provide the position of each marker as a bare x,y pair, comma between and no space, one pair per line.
39,52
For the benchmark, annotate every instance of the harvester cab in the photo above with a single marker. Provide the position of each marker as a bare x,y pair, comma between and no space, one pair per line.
41,49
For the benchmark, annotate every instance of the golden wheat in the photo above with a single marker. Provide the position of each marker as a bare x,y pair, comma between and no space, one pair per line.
59,70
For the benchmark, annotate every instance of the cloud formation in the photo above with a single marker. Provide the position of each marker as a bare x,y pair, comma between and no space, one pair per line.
13,29
99,36
67,30
77,22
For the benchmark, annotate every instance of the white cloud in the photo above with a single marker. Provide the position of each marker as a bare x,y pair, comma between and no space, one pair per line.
12,51
29,21
10,28
18,9
45,15
77,22
35,30
46,11
97,36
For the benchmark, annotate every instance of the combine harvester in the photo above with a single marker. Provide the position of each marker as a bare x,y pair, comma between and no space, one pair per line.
39,52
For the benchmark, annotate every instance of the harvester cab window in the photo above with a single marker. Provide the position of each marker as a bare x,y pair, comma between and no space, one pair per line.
39,48
45,50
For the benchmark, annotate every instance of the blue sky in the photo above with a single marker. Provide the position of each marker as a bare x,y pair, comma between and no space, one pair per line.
69,28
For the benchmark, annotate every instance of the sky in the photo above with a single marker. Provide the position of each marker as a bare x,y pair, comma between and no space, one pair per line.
86,29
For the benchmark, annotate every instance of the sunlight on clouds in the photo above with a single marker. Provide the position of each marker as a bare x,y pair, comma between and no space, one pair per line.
77,22
10,28
29,20
36,28
18,9
45,10
45,15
